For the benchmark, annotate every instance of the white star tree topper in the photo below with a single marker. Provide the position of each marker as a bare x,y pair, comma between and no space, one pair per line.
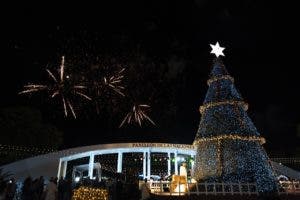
217,50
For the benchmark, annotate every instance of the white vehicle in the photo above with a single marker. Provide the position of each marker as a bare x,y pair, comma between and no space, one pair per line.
155,177
152,177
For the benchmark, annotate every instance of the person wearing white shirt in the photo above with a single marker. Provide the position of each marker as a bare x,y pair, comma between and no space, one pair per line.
183,170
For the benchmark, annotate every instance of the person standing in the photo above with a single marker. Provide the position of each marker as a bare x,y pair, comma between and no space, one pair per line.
183,171
51,190
11,189
145,191
41,187
119,189
67,190
60,188
26,189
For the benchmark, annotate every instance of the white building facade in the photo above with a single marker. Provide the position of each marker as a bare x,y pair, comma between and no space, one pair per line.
63,163
88,160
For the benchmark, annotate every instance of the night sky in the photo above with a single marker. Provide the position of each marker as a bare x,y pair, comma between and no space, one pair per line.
174,38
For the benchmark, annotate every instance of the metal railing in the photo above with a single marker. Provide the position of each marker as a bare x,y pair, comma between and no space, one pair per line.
286,187
165,188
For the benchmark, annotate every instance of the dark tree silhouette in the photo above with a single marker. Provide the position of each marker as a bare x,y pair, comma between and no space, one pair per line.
24,133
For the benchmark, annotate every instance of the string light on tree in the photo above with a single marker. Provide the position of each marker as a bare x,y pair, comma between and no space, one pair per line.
204,107
228,144
219,78
261,140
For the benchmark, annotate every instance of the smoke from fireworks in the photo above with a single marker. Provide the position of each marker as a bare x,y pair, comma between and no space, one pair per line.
137,115
60,88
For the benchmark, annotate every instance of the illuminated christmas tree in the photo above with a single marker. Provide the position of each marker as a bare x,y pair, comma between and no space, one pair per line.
229,147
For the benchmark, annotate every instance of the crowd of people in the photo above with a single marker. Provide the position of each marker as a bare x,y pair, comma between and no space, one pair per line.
62,189
38,189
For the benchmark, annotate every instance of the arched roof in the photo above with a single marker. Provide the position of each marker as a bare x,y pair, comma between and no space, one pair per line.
47,164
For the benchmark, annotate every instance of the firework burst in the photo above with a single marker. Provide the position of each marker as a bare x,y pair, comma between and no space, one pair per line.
30,88
103,86
61,87
137,115
115,82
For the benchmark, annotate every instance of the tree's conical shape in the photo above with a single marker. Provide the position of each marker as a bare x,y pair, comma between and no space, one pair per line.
221,85
228,144
224,111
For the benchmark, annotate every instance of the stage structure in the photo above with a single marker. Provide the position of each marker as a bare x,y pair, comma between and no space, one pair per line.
151,160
